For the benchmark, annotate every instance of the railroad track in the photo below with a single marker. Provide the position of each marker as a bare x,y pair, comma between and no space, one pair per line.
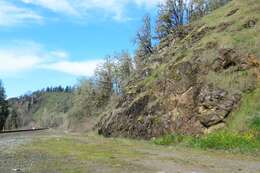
23,130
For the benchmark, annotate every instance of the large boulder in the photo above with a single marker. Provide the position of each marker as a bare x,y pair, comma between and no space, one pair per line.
214,105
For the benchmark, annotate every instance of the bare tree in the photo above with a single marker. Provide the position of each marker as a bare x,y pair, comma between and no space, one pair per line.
104,78
199,8
171,15
144,43
123,70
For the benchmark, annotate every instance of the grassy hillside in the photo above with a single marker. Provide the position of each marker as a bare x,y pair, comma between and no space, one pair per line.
248,114
46,109
234,26
237,25
53,109
199,83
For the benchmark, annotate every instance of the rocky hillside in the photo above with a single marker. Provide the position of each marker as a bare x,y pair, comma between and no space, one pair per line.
195,83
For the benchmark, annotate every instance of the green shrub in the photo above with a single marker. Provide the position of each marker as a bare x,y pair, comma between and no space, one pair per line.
245,115
168,139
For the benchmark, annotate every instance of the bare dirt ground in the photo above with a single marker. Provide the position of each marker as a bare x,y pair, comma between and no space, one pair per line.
52,152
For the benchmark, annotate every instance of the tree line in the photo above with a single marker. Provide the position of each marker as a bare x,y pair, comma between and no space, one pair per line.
67,89
50,89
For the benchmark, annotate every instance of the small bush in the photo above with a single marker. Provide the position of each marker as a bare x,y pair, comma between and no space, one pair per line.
168,139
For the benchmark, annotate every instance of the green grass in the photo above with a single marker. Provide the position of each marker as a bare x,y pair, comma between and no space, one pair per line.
100,150
255,123
242,81
227,141
168,139
249,108
69,154
245,40
223,140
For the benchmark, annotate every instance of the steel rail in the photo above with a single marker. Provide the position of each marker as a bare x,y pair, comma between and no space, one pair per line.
23,130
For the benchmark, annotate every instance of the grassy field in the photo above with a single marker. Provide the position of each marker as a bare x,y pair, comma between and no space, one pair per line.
53,152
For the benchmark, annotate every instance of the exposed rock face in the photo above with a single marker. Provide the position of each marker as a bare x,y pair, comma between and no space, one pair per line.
230,58
136,118
180,100
178,104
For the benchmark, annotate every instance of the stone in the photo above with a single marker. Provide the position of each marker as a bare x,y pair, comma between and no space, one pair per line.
215,105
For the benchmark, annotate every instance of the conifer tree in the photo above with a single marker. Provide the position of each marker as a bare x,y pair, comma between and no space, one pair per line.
3,107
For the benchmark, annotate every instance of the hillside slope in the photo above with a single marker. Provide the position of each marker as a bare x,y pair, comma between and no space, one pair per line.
198,83
40,109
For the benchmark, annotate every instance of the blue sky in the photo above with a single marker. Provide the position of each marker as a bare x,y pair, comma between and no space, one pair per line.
56,42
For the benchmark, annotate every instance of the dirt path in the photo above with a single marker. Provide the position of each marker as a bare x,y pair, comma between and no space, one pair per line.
48,152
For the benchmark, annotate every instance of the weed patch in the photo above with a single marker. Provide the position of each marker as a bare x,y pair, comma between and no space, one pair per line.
227,141
168,139
248,142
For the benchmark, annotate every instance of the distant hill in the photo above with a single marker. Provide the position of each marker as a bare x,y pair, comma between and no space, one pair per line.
39,109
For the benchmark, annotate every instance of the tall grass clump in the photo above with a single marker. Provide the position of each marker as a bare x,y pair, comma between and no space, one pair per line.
223,140
168,139
255,123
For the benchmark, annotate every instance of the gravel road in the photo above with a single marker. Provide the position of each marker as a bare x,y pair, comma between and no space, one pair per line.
149,158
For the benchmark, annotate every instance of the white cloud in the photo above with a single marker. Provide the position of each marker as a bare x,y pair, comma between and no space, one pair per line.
80,8
148,3
84,68
62,6
111,7
11,62
19,56
12,15
24,56
59,54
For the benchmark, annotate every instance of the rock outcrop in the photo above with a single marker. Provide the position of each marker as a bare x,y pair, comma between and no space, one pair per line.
179,103
193,83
